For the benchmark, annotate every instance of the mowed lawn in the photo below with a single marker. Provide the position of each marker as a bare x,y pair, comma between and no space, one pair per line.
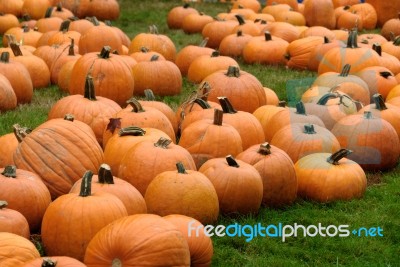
380,206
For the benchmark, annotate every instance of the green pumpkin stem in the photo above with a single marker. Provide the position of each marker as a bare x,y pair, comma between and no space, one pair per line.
377,48
368,115
131,131
385,74
204,42
71,49
144,49
226,105
20,132
3,204
163,142
105,52
10,171
47,262
5,57
396,41
154,57
215,53
239,33
325,98
338,155
64,27
309,129
59,7
105,175
181,168
202,103
137,107
69,117
300,108
345,70
218,117
233,71
86,185
148,93
264,149
231,161
90,92
240,19
352,39
379,102
48,12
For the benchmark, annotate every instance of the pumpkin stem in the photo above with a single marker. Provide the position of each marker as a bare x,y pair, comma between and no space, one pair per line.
148,93
10,171
218,117
86,186
239,33
59,7
115,123
345,70
233,71
396,41
300,108
21,132
15,49
204,42
163,143
385,74
90,92
94,20
326,40
105,175
47,262
377,48
324,99
282,104
5,57
144,49
131,131
226,105
202,103
186,5
105,52
3,204
240,19
352,40
379,102
368,115
69,117
338,155
215,53
137,107
231,161
267,36
48,12
71,50
153,29
108,23
181,168
264,149
64,27
154,58
204,90
309,129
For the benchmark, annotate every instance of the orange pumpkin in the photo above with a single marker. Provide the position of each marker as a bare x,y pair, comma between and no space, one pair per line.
8,98
216,31
12,221
176,15
15,250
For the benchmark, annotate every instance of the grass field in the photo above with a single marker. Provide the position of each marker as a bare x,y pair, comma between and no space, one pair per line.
378,208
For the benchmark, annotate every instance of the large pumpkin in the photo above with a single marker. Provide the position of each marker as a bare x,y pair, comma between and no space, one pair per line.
15,250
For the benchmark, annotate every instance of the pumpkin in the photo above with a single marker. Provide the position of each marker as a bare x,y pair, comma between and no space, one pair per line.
48,23
251,4
357,57
387,60
7,21
319,13
299,51
107,183
325,177
349,20
292,3
8,98
216,31
24,33
80,25
104,10
245,123
104,68
300,139
139,171
19,78
39,151
379,80
360,133
233,44
200,244
64,35
177,14
35,191
284,30
268,50
207,139
93,110
12,221
58,63
152,74
185,192
238,185
189,53
155,42
59,261
11,7
392,47
244,90
206,112
264,114
205,65
60,12
8,144
277,173
385,10
50,53
36,9
15,250
155,241
318,52
391,26
194,23
99,36
246,26
79,8
61,237
64,75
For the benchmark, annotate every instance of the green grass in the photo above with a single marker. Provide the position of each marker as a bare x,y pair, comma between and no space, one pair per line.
379,207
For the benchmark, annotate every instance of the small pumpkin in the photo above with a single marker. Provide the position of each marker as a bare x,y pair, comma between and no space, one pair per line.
12,221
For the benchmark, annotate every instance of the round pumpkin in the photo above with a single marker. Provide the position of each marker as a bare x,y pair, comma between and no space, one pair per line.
12,221
59,261
15,250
